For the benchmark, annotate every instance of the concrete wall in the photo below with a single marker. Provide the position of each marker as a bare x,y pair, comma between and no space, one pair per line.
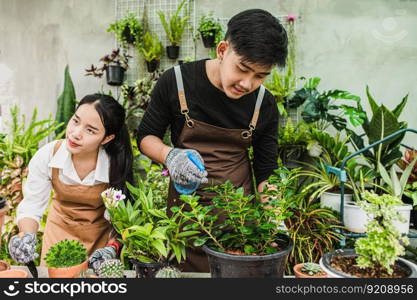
347,43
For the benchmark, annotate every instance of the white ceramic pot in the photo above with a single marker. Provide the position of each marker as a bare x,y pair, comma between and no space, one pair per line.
332,200
355,218
332,273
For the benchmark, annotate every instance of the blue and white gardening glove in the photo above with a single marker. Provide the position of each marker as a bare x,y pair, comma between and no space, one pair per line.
99,256
182,170
22,247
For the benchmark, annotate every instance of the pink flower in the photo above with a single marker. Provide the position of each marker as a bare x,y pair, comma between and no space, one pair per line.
291,18
165,172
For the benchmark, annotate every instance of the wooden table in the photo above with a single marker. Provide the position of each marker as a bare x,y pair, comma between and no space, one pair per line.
43,273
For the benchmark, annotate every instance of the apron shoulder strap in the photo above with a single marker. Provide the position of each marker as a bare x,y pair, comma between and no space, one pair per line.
181,96
56,147
257,107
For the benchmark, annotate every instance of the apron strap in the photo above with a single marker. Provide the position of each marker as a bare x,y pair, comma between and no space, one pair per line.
248,133
56,146
181,97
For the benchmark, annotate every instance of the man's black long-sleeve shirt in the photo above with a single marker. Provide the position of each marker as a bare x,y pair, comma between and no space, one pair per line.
208,104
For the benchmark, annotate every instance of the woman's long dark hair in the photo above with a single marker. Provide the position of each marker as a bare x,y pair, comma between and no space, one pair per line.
119,149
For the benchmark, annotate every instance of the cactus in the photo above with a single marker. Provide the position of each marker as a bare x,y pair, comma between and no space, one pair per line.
111,268
168,272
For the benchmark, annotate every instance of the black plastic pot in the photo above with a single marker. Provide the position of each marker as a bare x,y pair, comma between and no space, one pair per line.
128,37
173,51
208,40
2,202
325,264
224,265
115,75
152,65
146,270
290,154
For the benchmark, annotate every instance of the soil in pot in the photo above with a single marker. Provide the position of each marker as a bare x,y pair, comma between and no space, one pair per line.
347,264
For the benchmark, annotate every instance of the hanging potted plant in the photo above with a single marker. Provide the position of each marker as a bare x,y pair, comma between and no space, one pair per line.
174,28
209,28
66,259
114,64
127,30
378,254
151,239
152,51
241,236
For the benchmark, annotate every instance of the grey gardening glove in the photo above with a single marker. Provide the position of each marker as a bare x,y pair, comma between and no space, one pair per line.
182,170
22,247
99,256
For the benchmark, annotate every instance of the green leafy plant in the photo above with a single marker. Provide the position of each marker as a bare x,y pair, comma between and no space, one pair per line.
127,30
382,123
66,101
384,243
175,25
114,58
148,234
66,253
411,192
321,107
151,48
209,26
235,223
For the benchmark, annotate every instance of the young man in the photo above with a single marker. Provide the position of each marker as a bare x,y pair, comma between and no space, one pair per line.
217,109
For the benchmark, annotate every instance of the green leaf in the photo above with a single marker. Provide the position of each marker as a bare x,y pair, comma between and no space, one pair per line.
159,245
397,110
200,241
188,233
372,103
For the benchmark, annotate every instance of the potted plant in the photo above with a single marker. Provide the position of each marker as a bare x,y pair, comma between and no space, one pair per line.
241,236
410,192
152,51
209,28
321,107
66,259
3,211
127,30
114,64
377,254
174,28
151,239
309,270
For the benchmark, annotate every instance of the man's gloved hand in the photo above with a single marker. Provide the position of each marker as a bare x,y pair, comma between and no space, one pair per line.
99,256
22,247
182,170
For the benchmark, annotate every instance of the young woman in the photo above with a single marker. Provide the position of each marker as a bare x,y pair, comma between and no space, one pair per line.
96,154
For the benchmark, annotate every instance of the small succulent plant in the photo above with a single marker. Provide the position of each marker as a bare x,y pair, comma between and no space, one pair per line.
311,269
111,268
168,272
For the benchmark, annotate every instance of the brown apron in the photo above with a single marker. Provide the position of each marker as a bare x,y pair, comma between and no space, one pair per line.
225,155
76,213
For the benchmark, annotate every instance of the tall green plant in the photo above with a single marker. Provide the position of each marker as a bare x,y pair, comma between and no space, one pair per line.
151,47
66,101
175,25
380,124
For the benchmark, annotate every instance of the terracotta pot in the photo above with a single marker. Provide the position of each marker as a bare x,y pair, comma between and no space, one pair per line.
70,272
14,273
299,274
4,265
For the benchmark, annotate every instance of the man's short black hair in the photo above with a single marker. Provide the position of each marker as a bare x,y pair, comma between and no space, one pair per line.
258,37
